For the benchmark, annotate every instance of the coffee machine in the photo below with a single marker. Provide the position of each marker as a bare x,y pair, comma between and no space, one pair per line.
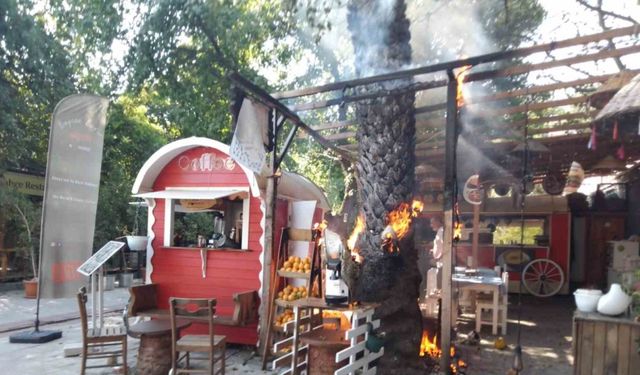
336,290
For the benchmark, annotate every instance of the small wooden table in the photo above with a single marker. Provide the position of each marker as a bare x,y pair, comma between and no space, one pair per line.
320,304
484,283
154,353
323,346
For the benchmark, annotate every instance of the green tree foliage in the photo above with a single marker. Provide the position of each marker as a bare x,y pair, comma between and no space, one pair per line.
34,75
130,139
184,48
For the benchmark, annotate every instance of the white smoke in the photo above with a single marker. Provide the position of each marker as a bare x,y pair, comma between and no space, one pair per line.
446,30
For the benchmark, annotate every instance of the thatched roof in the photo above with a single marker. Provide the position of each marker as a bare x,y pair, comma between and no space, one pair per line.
624,102
604,93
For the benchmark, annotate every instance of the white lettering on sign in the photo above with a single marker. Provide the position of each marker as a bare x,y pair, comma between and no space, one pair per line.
205,163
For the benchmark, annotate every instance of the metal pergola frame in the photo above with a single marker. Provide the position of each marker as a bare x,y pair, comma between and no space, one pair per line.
438,125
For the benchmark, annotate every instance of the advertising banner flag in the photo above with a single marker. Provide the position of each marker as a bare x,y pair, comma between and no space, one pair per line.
71,192
250,136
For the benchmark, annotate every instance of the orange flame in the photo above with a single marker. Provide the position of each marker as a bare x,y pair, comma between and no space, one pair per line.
430,347
400,218
464,71
457,231
417,206
457,225
320,226
357,229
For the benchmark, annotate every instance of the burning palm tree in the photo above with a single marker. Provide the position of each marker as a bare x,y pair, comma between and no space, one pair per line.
386,178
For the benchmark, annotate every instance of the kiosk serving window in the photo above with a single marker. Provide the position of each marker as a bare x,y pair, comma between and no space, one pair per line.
217,217
219,221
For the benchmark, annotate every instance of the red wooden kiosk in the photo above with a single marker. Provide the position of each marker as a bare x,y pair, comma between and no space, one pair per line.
195,172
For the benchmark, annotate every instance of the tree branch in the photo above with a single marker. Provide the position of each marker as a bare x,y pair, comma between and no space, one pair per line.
610,43
599,9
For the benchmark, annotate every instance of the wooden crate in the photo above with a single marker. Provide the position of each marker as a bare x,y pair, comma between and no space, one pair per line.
605,345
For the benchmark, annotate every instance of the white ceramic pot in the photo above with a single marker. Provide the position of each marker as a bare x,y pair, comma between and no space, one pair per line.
615,302
587,299
137,243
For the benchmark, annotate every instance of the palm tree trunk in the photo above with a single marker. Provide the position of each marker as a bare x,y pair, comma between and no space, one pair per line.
386,178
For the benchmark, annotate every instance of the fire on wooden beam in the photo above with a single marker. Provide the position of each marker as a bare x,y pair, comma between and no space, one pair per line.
457,225
464,71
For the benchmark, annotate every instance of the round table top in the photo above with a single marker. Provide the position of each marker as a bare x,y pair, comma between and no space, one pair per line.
156,327
324,337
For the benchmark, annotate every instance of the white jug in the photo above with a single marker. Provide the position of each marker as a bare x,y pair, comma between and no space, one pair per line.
615,302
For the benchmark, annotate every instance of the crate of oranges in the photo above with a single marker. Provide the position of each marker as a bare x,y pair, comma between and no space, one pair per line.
292,293
295,265
284,318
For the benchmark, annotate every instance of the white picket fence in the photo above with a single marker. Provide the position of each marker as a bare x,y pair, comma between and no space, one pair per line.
357,336
358,356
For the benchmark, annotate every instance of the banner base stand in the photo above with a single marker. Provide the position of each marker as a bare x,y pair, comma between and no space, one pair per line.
34,337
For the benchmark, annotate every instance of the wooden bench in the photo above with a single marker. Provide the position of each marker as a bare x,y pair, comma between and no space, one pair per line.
143,302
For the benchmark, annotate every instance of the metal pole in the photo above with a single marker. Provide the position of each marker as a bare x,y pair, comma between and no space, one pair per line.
475,238
93,300
451,137
101,296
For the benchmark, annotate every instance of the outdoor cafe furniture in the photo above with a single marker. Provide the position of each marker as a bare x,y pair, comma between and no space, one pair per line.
484,283
154,352
94,338
486,304
144,303
212,344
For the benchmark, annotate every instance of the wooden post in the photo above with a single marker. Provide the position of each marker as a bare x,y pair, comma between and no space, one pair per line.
269,226
451,136
474,239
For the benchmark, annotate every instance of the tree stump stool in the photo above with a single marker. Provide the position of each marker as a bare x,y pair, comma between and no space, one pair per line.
154,352
323,346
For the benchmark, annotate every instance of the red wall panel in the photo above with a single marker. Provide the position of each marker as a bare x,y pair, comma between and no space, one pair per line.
559,241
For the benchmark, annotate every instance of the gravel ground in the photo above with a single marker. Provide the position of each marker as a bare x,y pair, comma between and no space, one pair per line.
545,337
545,334
41,359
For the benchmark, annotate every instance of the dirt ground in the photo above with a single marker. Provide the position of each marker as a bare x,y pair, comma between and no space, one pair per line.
546,335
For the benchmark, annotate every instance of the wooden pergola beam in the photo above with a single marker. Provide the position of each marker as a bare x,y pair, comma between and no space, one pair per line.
422,86
529,107
526,68
559,128
481,59
506,144
540,89
438,123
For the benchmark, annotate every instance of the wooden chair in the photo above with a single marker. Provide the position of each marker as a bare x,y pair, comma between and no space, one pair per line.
95,338
214,345
486,304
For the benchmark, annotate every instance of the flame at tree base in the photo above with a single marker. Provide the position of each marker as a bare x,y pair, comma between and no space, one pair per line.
429,347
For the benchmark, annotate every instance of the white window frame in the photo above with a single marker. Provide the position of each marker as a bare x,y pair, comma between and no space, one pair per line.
169,210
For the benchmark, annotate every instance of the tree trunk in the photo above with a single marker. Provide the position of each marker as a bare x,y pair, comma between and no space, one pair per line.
385,172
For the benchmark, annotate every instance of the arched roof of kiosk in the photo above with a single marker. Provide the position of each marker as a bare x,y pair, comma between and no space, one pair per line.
291,185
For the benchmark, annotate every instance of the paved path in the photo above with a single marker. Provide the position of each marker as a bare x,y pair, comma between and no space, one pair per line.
48,359
17,312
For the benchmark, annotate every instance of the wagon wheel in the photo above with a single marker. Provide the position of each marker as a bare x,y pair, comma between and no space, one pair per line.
542,277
